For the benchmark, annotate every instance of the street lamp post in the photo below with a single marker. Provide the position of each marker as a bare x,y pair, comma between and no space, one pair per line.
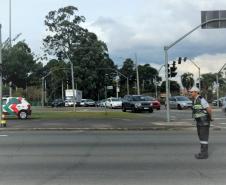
127,81
73,83
185,58
10,23
72,77
137,72
199,72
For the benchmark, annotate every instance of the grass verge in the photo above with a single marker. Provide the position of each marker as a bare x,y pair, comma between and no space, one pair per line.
93,115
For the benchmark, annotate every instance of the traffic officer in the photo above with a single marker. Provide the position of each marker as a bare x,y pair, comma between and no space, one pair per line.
202,113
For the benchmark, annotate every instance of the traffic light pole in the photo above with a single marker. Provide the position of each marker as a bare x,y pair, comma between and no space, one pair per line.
166,48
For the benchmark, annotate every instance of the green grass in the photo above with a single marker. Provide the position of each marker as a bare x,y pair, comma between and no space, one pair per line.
70,115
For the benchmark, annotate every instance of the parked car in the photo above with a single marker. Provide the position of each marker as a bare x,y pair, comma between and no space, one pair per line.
224,104
136,103
87,103
155,103
82,103
16,106
114,103
220,101
57,103
69,103
102,103
180,102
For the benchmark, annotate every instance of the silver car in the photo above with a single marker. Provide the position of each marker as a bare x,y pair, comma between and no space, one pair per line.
180,102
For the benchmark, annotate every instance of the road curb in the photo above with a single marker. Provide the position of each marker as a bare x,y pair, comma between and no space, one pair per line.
163,128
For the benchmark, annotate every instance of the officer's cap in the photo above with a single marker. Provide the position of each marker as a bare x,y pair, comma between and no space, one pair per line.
196,89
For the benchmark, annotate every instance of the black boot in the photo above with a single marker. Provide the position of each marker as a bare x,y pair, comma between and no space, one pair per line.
204,152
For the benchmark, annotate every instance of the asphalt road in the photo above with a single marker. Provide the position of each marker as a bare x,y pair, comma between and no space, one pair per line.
110,158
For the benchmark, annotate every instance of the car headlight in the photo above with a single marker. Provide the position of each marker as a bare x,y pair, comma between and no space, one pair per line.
137,104
184,104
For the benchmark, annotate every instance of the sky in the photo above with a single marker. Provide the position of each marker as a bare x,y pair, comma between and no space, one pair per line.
131,27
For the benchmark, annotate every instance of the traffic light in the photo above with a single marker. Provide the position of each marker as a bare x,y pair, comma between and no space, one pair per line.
179,60
173,69
169,71
197,85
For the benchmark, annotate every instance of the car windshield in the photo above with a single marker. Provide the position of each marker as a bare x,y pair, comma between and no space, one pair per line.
138,98
115,99
90,100
182,98
149,98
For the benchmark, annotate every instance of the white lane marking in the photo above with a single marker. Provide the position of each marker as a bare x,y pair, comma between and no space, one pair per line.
222,123
3,135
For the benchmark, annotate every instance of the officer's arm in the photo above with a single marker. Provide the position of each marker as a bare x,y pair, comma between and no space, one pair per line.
209,111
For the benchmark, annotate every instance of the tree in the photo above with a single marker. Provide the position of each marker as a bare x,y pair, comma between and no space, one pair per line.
187,80
68,40
18,64
174,87
56,72
147,76
207,81
129,71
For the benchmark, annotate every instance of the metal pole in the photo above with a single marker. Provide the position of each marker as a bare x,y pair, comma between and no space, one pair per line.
217,90
43,91
73,83
10,41
10,23
138,83
199,80
127,81
199,73
45,98
156,88
0,73
167,85
117,79
62,89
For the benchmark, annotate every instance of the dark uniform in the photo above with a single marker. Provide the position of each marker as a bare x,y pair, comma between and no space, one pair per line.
203,124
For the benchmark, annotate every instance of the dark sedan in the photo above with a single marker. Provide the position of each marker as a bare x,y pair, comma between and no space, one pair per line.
136,103
57,103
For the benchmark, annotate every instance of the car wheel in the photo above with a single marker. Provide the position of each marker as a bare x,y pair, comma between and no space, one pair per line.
179,107
158,108
124,109
22,115
151,110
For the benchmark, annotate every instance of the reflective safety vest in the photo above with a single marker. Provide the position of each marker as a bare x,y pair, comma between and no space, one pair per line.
198,110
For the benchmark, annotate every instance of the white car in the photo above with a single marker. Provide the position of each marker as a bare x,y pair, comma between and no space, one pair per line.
180,102
69,103
16,106
82,103
114,103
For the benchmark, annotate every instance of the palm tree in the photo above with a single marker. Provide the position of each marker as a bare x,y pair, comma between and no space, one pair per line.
187,80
